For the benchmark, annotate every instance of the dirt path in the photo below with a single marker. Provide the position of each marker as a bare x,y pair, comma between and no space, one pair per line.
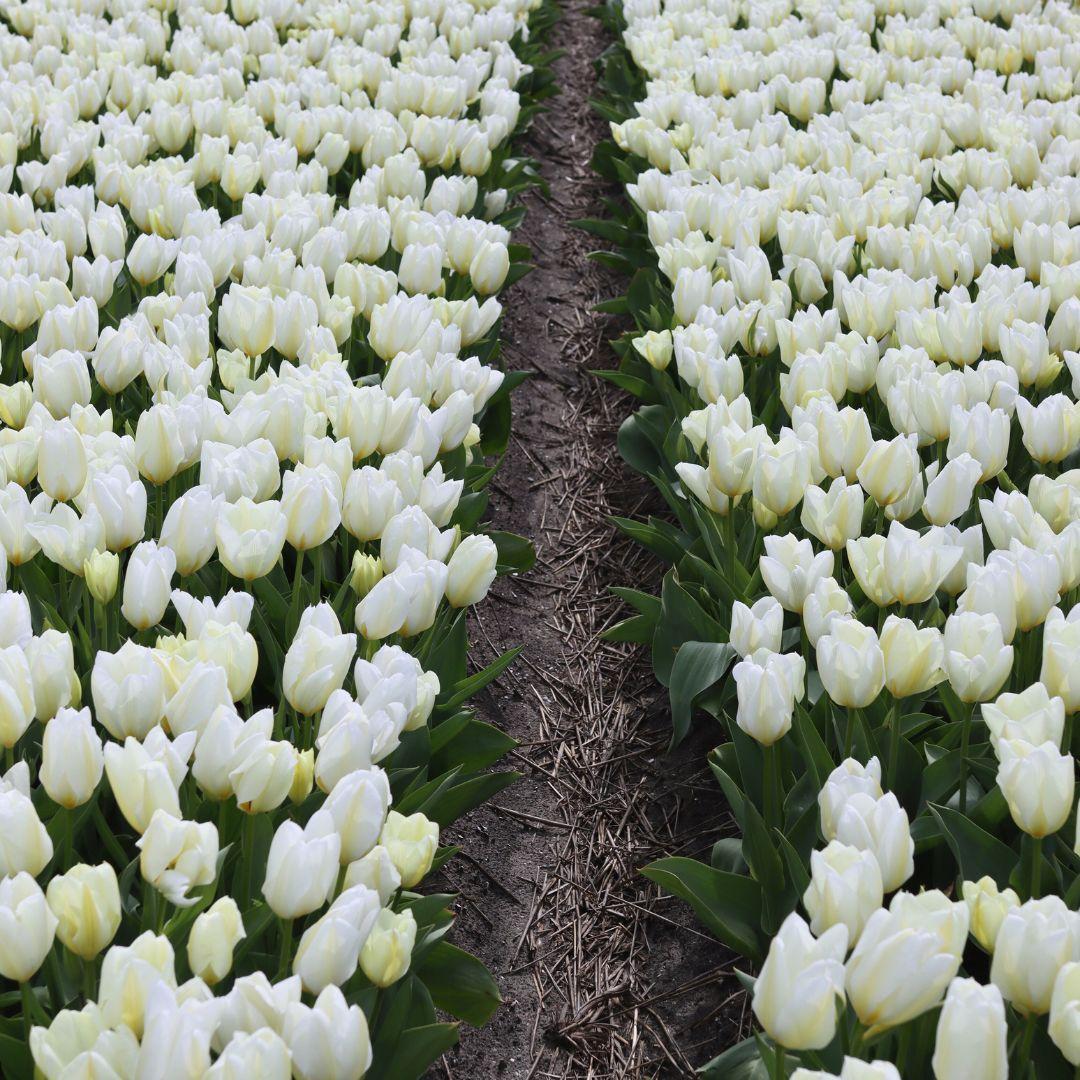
600,976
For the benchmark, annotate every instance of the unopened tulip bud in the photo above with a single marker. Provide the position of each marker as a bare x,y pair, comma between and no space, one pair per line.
768,685
51,658
656,347
86,903
17,705
1035,941
411,843
1038,784
302,866
913,657
214,935
387,951
147,584
366,571
845,887
1065,1012
879,825
102,573
27,927
907,956
329,1039
262,1053
800,984
987,906
471,571
757,627
847,779
303,777
971,1034
72,759
377,871
851,664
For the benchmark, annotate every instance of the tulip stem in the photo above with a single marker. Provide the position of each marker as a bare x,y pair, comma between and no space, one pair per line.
29,1007
298,581
849,734
1023,1055
894,742
286,948
773,787
1031,852
965,739
779,1068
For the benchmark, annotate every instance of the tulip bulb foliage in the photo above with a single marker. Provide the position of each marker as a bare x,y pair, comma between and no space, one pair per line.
253,259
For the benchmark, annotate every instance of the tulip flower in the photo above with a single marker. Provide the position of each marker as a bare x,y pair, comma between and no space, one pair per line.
86,903
302,866
1065,1012
906,957
971,1033
796,993
387,950
261,1053
987,906
329,950
214,935
1038,784
1035,940
845,887
27,927
411,843
177,855
851,663
72,759
328,1039
768,685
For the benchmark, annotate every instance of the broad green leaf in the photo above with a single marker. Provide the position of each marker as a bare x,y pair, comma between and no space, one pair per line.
459,983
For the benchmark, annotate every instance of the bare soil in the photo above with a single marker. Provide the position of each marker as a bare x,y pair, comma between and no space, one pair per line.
602,977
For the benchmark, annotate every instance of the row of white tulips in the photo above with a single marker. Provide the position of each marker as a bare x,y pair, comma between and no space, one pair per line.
249,259
865,217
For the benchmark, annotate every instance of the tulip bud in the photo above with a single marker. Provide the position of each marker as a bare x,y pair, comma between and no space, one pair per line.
177,855
1035,941
987,907
471,571
147,584
656,347
261,1053
757,627
1038,784
387,951
27,927
835,516
847,779
906,957
72,759
768,686
145,777
128,974
329,1039
888,469
214,935
879,825
17,705
791,570
250,537
913,657
845,887
303,777
302,866
1032,715
411,843
977,660
61,461
1060,672
802,980
1065,1012
377,871
851,663
330,948
24,840
317,661
825,605
366,571
86,903
102,573
80,1040
971,1034
52,669
128,689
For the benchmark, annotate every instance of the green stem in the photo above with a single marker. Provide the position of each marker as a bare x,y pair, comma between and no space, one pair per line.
298,580
29,1007
849,734
893,723
965,739
1031,853
247,846
779,1068
773,787
1023,1055
286,948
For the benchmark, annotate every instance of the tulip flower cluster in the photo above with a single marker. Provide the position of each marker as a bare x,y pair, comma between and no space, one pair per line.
248,407
854,234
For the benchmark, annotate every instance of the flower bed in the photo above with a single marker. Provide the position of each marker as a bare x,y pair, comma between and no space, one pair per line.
853,237
251,402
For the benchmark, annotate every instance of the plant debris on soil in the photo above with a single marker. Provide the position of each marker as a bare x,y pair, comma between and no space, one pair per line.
601,975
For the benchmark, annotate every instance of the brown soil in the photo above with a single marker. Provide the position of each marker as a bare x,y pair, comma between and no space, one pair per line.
601,976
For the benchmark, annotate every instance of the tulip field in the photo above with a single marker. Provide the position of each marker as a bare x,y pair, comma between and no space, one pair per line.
256,259
251,404
852,240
